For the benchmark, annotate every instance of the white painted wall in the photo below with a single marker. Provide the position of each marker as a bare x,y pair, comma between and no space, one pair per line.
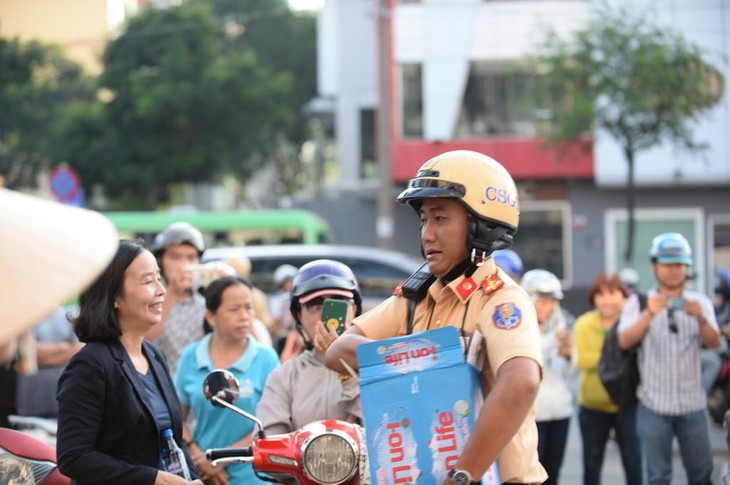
347,70
445,36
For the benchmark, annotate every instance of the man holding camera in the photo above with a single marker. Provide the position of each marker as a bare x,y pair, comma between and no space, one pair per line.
671,332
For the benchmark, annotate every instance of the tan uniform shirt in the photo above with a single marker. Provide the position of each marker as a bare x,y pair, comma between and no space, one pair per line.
505,316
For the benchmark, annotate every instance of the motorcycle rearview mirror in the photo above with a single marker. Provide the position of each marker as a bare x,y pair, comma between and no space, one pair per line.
222,389
221,384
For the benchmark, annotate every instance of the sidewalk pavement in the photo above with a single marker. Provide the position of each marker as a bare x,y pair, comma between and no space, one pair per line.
571,472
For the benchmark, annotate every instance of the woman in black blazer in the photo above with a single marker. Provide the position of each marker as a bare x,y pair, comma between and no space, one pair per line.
116,395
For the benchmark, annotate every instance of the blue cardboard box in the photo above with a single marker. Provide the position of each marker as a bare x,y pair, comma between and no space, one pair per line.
420,400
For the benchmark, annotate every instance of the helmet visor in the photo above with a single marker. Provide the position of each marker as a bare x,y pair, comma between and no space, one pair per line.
421,188
674,259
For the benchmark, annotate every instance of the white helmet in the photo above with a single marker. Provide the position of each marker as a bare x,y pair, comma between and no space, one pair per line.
540,282
283,273
671,247
629,277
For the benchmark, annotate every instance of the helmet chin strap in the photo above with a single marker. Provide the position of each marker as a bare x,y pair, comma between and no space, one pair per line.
482,240
475,263
308,344
478,259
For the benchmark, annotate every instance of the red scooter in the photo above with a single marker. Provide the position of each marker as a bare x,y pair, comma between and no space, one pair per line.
25,460
328,452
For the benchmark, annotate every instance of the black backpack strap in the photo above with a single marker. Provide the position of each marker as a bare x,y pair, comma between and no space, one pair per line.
411,313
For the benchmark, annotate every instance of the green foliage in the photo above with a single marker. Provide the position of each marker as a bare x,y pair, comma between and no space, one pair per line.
639,82
38,87
283,42
188,94
183,108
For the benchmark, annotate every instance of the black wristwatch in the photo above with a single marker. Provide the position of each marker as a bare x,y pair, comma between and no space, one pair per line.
462,477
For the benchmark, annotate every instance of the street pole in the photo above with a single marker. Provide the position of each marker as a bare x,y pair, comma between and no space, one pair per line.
385,223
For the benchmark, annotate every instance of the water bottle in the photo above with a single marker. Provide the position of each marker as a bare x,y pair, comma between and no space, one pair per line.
173,458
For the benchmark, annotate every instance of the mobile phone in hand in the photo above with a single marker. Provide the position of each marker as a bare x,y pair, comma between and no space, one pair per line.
334,313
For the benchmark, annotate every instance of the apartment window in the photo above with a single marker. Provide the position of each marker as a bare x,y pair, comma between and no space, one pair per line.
543,239
501,100
367,144
412,101
719,254
648,223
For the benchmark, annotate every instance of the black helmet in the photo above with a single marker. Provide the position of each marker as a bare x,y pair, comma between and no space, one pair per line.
323,276
178,233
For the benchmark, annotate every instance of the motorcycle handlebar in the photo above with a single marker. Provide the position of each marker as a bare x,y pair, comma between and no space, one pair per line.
214,454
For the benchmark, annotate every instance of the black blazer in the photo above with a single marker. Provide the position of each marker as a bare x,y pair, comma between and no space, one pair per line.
107,432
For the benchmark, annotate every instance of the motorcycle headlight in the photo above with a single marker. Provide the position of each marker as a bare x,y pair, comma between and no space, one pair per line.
22,471
330,457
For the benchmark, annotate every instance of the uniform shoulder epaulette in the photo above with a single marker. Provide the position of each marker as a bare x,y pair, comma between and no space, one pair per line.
492,284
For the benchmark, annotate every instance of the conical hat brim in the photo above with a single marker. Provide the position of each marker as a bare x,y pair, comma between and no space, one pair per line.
49,252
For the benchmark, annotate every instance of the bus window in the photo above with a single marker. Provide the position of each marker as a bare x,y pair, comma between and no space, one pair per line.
230,228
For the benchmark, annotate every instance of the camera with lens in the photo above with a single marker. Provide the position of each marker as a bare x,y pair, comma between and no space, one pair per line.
677,304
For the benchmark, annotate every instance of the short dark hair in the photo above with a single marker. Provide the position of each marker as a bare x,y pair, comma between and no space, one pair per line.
97,318
214,294
606,281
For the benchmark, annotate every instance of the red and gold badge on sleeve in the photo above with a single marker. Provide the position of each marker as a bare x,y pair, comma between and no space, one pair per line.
507,316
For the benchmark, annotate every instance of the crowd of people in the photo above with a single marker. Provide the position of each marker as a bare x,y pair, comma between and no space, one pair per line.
130,362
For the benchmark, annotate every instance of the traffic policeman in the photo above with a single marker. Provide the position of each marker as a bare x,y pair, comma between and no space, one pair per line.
468,206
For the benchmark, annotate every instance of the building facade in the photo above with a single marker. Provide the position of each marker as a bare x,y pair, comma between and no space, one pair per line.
461,77
81,27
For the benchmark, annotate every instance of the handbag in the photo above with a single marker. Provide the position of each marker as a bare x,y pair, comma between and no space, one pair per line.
618,368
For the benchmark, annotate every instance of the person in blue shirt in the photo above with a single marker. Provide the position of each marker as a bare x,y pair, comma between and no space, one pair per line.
229,312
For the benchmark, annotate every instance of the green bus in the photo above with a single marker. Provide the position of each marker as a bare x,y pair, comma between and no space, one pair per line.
230,228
